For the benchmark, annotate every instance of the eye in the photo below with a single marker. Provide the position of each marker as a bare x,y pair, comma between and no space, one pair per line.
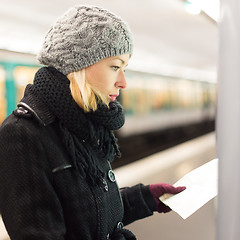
115,68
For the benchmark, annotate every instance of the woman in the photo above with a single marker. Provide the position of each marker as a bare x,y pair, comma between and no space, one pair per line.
56,180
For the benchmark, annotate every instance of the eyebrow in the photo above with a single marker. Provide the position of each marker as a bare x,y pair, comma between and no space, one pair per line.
118,58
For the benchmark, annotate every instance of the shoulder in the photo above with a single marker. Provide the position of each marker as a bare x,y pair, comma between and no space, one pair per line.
21,131
26,136
19,124
25,144
20,135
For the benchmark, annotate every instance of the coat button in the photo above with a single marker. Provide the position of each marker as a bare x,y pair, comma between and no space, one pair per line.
105,185
120,225
111,176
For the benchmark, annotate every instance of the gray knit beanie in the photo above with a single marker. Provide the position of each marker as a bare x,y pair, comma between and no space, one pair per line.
83,36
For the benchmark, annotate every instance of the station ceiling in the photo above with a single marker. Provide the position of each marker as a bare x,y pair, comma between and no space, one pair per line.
167,38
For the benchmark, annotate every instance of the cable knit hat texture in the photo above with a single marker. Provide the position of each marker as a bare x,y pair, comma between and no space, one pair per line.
83,36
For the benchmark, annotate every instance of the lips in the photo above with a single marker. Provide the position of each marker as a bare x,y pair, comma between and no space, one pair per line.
113,97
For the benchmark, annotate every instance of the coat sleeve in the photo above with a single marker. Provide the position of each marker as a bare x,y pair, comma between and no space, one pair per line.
138,203
29,206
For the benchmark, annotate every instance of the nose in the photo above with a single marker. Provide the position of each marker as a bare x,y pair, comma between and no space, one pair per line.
121,82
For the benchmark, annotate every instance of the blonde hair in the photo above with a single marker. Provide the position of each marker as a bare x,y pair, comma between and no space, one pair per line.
84,95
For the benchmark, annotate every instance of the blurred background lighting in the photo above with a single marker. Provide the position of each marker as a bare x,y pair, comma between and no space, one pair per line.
210,7
192,8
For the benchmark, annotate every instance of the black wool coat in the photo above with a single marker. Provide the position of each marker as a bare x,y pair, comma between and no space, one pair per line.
43,197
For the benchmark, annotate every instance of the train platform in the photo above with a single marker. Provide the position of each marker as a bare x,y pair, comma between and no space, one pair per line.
169,166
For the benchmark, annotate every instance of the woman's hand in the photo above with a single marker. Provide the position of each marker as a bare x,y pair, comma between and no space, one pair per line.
158,189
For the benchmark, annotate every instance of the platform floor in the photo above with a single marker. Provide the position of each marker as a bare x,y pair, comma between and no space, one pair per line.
3,233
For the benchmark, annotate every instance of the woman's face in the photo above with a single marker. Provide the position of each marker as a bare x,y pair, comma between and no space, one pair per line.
107,76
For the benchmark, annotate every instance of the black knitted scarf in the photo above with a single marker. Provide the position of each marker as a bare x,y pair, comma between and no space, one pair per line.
82,132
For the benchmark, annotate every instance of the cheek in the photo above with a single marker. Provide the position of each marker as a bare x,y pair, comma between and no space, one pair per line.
90,76
104,86
101,86
101,79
